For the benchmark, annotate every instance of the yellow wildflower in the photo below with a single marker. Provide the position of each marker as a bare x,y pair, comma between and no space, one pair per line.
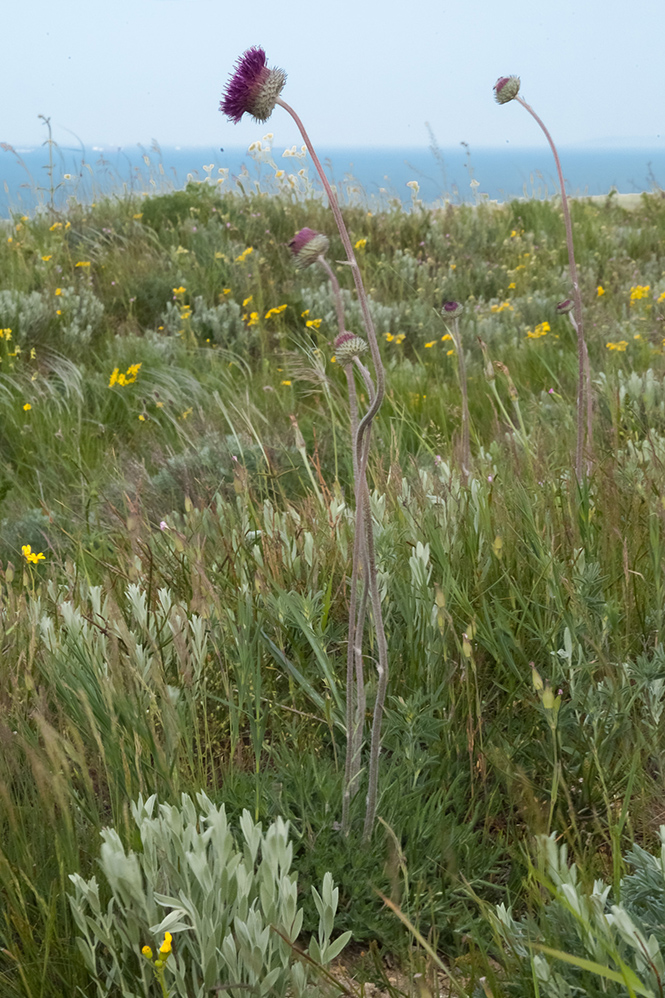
501,307
147,952
31,556
187,413
449,352
600,290
360,245
661,297
138,215
165,948
620,346
313,323
5,334
82,263
512,286
286,382
179,291
389,337
47,258
58,291
114,377
253,319
275,311
400,338
303,314
27,407
542,329
639,291
142,418
448,336
245,253
56,225
430,344
58,311
247,301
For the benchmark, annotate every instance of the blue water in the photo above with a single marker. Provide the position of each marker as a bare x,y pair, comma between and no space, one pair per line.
377,174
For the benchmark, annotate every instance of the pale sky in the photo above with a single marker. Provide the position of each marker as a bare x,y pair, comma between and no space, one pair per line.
360,73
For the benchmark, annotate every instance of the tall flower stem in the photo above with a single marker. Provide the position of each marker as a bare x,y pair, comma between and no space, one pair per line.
355,685
584,399
363,527
461,370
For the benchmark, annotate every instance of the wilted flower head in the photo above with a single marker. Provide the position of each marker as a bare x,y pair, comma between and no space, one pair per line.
565,306
348,346
253,88
307,246
451,309
506,88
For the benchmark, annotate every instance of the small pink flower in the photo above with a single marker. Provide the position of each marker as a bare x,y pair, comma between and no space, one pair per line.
163,525
307,246
506,89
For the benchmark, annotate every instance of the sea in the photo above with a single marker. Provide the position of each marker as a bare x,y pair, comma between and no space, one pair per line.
376,176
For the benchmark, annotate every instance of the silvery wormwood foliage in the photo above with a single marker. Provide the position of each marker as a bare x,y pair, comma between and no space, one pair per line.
218,900
587,925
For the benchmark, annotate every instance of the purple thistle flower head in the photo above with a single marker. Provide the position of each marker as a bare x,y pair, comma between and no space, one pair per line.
451,309
347,346
506,88
565,306
307,246
253,88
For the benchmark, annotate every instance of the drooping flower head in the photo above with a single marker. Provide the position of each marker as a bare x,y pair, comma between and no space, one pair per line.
506,88
307,246
253,88
451,309
565,306
348,346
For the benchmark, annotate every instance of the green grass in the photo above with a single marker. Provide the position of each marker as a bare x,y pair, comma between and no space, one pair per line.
211,654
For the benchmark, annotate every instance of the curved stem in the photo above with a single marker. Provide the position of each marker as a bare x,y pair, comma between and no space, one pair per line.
337,293
350,255
584,381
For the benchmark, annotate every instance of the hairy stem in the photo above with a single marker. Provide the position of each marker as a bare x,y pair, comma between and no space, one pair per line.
584,378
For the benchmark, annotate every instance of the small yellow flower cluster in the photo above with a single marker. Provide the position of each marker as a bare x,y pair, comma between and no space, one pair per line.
128,378
245,253
620,346
639,291
600,290
661,298
395,339
501,307
542,329
252,319
247,301
313,323
82,263
31,556
275,311
286,383
448,336
360,245
5,334
432,343
47,258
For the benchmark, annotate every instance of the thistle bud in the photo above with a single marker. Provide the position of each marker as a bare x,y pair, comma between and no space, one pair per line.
451,309
347,346
307,246
565,306
506,88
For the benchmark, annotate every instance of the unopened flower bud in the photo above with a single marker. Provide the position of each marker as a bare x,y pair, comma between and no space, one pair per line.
506,88
347,346
307,246
451,309
147,952
565,306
